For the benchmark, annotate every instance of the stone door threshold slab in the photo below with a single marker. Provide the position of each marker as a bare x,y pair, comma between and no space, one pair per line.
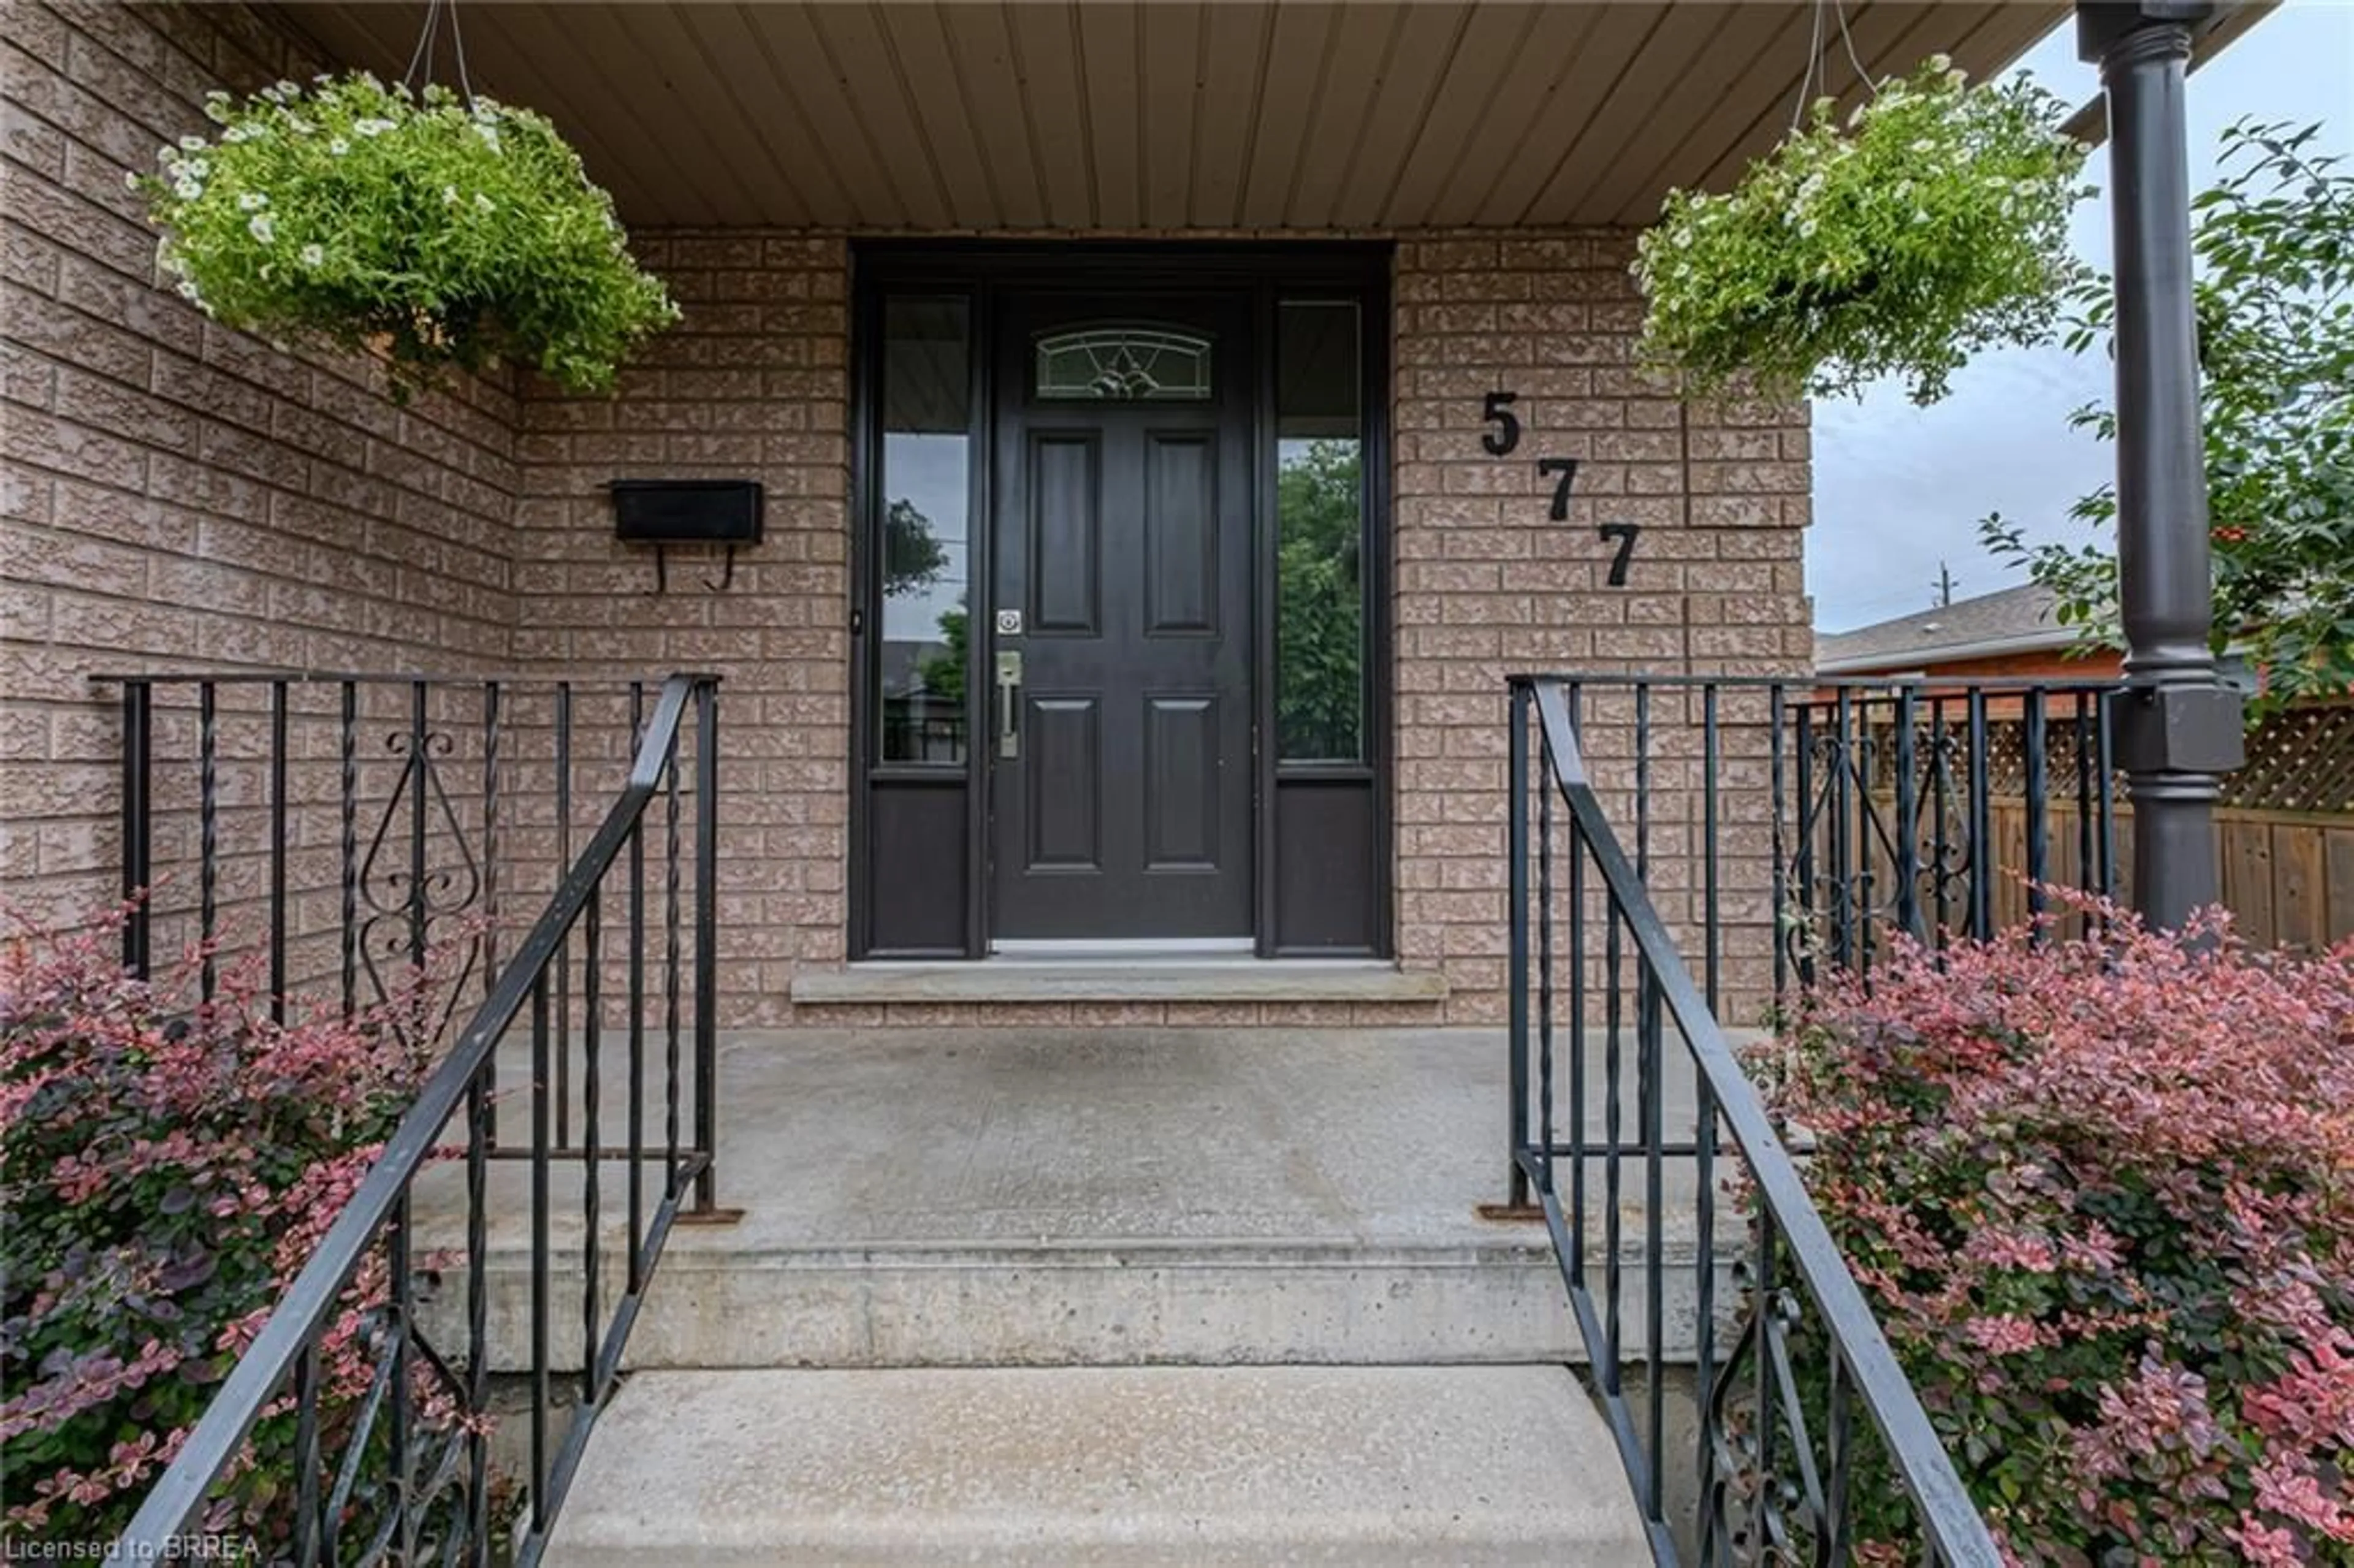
1030,980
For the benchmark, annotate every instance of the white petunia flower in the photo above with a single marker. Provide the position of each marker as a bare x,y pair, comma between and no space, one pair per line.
372,126
450,194
187,189
130,179
338,147
483,203
192,144
251,201
314,255
1924,145
260,227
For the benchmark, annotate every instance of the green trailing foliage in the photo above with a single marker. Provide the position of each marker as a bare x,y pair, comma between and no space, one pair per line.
2273,243
1319,608
1932,223
442,232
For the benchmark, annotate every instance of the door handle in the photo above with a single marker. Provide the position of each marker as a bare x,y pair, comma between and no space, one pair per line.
1008,705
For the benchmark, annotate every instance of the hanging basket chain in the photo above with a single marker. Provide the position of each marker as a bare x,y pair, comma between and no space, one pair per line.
420,74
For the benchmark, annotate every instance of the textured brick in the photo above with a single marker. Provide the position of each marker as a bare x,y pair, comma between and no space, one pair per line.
1488,582
184,492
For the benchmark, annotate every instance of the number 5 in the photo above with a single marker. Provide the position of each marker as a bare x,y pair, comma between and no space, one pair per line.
1497,412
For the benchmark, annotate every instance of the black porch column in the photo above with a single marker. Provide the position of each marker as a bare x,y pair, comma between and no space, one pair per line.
2177,727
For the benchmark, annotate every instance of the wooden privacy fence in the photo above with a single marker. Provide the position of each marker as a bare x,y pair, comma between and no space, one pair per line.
2285,824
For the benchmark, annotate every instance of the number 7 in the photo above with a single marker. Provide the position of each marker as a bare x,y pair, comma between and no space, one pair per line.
1566,471
1625,533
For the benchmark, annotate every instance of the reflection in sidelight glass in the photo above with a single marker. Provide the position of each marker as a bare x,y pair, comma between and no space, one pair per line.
1319,506
926,391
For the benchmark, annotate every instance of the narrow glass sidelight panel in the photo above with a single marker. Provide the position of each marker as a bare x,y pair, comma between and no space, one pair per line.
927,499
1320,525
1124,364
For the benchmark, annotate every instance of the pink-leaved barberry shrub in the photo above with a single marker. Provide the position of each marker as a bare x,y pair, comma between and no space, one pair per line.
167,1167
2100,1193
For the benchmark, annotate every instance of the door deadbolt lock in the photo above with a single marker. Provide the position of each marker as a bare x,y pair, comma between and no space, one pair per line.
1009,704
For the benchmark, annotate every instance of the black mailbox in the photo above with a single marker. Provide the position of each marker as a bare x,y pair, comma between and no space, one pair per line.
659,511
686,511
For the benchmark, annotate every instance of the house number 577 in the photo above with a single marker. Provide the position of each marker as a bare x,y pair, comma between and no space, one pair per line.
1503,435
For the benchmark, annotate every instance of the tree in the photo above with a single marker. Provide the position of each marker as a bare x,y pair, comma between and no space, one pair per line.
2275,243
913,555
1320,604
943,673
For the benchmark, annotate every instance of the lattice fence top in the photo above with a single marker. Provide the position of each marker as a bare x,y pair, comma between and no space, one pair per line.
2301,759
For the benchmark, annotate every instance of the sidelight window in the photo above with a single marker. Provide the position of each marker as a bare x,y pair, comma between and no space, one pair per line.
1320,524
927,390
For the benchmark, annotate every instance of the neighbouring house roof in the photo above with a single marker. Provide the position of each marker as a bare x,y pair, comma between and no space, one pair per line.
2014,621
1174,115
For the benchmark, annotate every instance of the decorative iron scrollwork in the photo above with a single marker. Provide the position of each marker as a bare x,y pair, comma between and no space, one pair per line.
418,879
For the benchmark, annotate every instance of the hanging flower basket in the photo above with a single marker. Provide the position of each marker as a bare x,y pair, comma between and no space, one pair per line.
443,232
1932,224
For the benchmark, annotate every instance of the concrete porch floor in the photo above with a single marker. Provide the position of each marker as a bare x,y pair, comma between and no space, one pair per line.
1099,1197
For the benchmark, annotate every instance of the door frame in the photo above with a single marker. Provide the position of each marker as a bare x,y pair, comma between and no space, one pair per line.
980,271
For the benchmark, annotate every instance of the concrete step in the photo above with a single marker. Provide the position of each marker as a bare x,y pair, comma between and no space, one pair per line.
1179,1465
1051,1198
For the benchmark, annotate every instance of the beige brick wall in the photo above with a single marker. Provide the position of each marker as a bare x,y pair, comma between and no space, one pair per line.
177,494
180,496
1488,584
753,384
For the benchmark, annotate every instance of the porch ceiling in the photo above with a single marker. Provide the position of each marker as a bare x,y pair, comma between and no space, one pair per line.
1111,114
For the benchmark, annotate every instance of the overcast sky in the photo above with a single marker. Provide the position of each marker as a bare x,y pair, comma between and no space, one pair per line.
1898,489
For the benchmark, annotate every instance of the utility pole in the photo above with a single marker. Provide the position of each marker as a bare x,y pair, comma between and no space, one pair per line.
1945,586
2177,727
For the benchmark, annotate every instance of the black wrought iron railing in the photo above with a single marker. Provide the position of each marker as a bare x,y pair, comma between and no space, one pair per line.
349,830
1631,1114
401,1469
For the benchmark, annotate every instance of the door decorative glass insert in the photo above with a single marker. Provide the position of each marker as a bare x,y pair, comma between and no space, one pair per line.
1123,364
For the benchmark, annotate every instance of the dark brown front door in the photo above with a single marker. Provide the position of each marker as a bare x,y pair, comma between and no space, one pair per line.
1121,795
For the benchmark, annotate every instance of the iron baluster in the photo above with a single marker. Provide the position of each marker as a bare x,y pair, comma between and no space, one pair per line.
1982,806
138,824
671,970
1544,989
592,1016
637,960
706,946
347,744
492,720
417,819
1778,807
563,967
1908,818
1941,848
1711,935
2087,852
1516,852
1804,931
1848,901
2039,804
278,740
540,1392
208,833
